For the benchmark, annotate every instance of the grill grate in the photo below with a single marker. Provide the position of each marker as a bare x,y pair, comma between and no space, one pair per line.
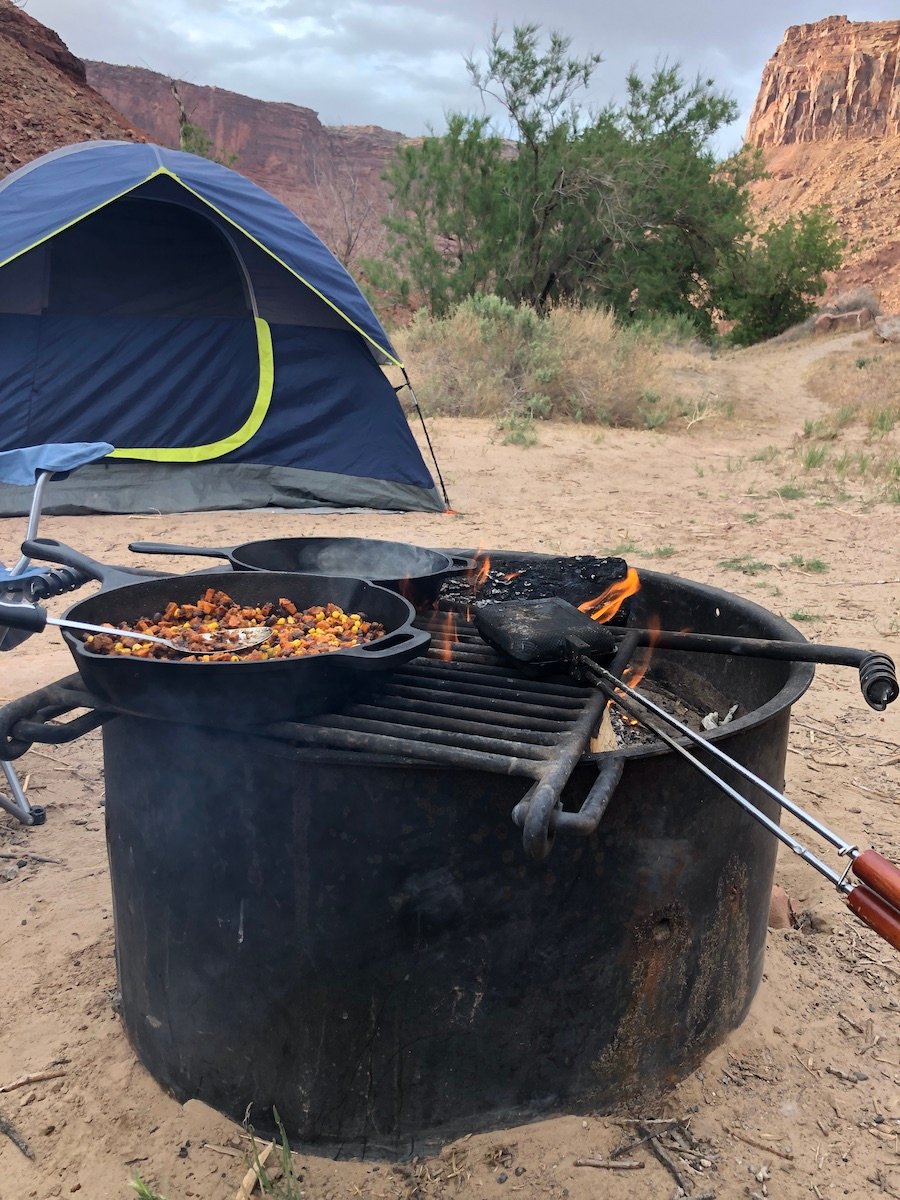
470,711
461,705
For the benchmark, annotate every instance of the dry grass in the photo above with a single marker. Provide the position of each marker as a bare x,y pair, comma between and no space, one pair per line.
489,359
858,441
863,381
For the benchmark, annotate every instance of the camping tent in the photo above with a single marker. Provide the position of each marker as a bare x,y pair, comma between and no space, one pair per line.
167,305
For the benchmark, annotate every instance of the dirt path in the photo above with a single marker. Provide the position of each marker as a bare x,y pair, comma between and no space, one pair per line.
777,1108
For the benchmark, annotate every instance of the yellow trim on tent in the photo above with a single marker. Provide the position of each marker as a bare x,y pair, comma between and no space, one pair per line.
240,436
282,263
90,212
160,170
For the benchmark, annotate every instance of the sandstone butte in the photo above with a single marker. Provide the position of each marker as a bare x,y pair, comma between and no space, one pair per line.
827,120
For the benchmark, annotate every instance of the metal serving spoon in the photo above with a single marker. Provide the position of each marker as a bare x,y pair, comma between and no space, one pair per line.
31,616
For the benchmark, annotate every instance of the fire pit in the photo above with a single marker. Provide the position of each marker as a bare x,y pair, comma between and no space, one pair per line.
336,917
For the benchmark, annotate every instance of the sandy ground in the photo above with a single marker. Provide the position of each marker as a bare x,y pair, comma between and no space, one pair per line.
777,1110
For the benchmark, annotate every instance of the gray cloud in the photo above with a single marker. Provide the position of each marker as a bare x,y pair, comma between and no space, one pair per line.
401,65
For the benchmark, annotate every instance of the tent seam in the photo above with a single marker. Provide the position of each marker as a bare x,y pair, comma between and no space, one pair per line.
75,220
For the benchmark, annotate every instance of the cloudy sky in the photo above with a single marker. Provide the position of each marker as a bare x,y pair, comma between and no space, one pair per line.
400,65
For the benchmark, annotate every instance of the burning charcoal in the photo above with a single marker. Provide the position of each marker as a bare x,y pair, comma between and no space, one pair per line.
577,579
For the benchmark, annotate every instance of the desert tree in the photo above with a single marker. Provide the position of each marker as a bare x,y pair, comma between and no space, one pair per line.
539,199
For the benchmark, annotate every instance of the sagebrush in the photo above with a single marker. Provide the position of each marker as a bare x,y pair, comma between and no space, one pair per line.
489,358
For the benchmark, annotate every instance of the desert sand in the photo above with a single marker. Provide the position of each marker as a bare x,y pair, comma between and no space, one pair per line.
802,1101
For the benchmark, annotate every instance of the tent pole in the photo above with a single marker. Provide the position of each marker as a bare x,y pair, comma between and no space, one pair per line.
412,392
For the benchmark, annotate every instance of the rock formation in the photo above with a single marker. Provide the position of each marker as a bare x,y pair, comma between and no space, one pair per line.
830,81
827,120
329,176
45,101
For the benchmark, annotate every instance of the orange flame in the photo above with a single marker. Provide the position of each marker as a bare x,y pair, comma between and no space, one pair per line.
480,573
637,669
605,606
443,644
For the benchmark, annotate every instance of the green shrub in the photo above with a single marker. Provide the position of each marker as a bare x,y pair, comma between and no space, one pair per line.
770,282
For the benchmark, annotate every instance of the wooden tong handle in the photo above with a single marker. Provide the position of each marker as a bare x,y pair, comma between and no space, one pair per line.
879,876
876,912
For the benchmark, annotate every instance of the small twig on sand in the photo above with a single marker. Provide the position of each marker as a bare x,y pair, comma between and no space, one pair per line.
221,1149
37,1077
43,754
850,1021
629,1145
757,1145
883,1185
648,1121
667,1161
15,1137
252,1178
609,1166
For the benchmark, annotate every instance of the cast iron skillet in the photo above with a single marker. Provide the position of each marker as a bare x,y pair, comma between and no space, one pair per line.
413,571
236,694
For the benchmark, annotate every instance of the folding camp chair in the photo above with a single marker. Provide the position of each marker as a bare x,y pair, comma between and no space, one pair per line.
33,466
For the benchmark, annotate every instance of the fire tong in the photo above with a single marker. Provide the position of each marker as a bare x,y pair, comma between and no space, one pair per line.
551,632
875,899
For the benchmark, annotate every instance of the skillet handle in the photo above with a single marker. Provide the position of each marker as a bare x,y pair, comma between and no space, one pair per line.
460,564
166,548
410,641
50,550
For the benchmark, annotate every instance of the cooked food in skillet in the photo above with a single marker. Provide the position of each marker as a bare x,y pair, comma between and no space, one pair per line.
319,629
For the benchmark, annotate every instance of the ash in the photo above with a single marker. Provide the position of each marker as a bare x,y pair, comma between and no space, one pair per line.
699,718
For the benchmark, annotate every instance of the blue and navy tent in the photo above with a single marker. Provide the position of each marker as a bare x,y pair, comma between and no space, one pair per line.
167,305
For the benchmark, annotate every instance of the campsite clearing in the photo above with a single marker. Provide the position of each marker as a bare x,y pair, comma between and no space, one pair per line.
802,1101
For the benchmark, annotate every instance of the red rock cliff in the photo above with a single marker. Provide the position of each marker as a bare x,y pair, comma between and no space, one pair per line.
827,119
328,176
830,81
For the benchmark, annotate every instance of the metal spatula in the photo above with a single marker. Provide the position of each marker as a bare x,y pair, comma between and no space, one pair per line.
34,618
